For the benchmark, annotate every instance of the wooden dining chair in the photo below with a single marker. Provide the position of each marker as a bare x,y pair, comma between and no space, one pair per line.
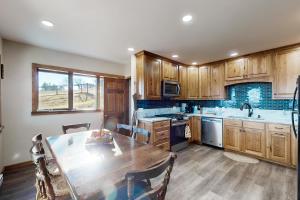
50,162
125,129
141,132
76,126
48,187
137,187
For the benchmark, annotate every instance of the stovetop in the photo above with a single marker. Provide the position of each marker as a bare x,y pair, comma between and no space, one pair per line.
173,116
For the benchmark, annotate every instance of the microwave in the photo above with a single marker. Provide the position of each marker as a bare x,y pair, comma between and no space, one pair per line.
170,88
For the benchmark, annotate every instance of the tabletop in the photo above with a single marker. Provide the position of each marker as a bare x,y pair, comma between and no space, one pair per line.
94,170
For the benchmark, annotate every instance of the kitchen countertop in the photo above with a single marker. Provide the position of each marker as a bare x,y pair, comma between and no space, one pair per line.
278,120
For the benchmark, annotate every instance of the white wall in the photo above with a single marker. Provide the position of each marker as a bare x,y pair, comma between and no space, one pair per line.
1,134
20,126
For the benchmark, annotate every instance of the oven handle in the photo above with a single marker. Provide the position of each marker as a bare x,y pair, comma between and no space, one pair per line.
179,123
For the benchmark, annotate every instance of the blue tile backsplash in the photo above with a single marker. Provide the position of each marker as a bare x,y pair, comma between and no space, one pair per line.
259,95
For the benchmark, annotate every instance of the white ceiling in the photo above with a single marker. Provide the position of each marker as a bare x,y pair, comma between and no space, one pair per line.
106,28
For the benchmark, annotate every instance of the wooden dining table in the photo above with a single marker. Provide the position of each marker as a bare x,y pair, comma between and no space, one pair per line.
94,170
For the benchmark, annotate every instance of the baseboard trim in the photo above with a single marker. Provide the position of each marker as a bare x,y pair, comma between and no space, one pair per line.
17,166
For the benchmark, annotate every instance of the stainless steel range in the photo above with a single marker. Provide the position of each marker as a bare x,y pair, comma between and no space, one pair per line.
177,133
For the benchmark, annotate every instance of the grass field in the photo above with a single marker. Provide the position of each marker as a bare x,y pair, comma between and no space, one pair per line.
59,100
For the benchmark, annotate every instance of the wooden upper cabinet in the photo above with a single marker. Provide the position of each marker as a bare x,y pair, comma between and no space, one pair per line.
169,71
259,65
182,77
204,82
235,69
192,82
217,88
148,77
287,69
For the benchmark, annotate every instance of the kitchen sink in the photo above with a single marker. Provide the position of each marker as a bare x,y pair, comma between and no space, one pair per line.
243,117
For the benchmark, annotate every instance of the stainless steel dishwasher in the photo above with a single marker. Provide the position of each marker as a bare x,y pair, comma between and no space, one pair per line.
212,131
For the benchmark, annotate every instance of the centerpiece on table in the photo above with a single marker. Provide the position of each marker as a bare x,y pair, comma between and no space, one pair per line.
103,136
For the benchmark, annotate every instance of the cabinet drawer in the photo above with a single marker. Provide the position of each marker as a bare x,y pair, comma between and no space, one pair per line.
254,125
232,122
279,128
164,146
163,135
161,124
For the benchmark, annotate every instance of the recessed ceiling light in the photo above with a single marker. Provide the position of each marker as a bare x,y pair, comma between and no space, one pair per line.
187,18
47,23
194,63
130,49
233,54
175,56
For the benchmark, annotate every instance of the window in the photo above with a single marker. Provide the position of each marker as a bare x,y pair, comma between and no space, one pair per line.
53,90
84,92
62,90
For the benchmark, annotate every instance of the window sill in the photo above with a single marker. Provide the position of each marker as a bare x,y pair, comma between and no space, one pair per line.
54,112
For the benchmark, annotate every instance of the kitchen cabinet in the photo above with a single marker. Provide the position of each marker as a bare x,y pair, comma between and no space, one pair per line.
259,65
211,81
294,149
169,71
196,129
235,69
287,69
160,133
183,82
253,140
217,88
232,138
278,143
204,82
148,78
192,82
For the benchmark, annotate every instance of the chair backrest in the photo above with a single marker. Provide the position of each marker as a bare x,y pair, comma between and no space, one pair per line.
43,181
76,126
37,141
159,192
141,132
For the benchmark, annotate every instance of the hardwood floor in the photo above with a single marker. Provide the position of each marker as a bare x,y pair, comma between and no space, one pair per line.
200,172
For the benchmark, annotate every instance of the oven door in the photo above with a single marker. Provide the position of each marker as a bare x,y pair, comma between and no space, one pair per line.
170,89
178,140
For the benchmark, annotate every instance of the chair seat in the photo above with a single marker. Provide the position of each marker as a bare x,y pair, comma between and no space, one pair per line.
53,168
140,187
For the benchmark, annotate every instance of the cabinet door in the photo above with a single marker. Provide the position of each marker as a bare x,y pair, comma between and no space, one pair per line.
183,82
294,150
254,142
152,77
278,148
204,82
217,88
169,71
196,129
193,82
235,69
287,69
232,138
259,65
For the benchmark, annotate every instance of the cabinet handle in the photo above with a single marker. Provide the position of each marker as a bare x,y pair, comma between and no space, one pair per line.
270,148
281,134
278,128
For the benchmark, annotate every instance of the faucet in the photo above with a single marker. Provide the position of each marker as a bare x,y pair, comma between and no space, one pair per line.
249,107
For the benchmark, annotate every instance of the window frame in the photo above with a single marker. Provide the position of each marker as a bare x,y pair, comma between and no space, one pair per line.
70,71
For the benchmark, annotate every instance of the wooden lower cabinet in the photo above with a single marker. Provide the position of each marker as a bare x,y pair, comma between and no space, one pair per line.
232,138
160,133
272,142
253,142
196,129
